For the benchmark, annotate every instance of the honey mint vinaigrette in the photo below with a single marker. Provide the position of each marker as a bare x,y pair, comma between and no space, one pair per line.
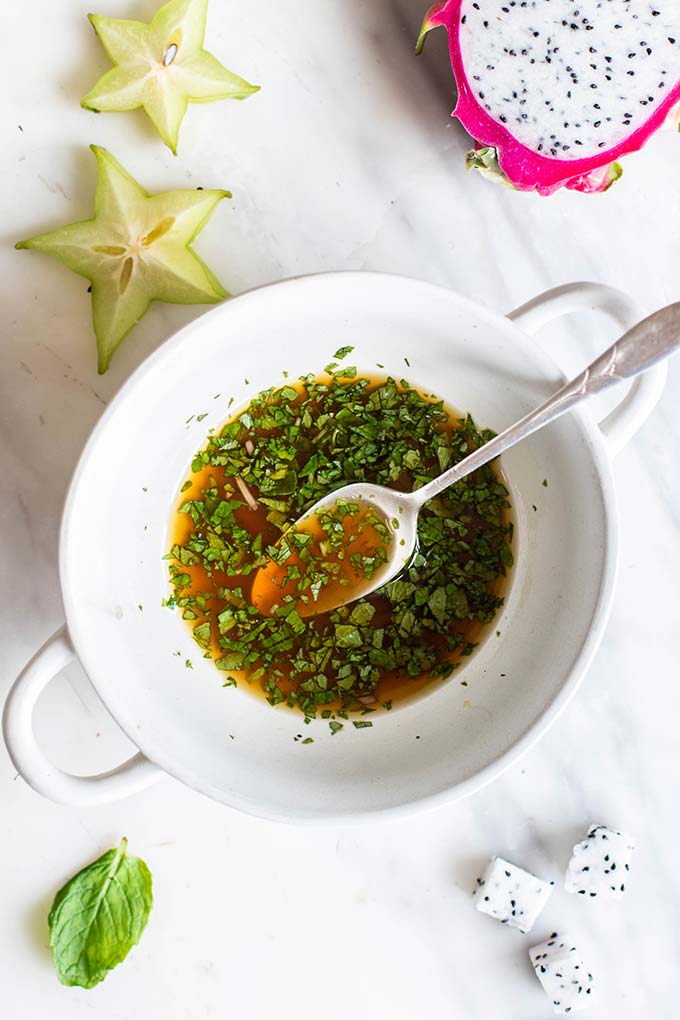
255,478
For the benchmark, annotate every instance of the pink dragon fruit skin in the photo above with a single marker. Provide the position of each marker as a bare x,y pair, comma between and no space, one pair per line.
594,182
525,168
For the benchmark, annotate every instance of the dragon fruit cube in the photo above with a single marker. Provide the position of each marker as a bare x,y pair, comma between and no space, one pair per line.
513,896
600,864
560,969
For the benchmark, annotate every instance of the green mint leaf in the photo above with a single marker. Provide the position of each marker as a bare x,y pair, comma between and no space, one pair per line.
202,634
347,636
98,917
362,614
342,352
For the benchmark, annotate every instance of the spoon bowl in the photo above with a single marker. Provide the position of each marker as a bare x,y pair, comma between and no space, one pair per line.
399,513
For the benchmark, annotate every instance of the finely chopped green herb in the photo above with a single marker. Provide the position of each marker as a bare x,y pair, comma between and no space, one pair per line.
264,469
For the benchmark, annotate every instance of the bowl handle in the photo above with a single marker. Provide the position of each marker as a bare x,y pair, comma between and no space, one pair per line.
79,791
637,404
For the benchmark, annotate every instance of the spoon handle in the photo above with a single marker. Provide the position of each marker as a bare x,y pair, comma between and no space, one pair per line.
650,341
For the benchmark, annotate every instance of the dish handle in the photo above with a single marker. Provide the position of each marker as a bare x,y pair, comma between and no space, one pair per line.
78,791
637,404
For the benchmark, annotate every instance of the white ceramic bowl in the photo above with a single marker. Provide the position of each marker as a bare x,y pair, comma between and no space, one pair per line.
115,527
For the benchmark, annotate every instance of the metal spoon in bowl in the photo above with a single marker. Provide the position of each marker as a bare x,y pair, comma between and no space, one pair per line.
647,343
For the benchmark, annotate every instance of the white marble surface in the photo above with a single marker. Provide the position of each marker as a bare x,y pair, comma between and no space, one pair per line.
346,159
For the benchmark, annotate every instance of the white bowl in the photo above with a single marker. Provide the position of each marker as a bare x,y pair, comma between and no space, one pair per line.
234,747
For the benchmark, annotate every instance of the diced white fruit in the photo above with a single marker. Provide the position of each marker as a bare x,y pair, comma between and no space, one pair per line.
600,864
560,969
511,895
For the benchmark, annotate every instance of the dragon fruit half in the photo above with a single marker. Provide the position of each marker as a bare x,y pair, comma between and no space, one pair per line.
554,91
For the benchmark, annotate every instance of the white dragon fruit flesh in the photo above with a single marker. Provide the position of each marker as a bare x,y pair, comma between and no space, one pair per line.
554,92
513,896
560,969
600,864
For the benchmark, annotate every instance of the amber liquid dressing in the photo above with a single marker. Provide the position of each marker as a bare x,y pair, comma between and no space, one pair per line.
394,687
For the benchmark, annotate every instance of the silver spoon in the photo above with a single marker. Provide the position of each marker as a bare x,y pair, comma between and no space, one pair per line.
647,343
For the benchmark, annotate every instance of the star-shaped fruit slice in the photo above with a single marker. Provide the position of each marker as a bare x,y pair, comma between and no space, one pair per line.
161,67
135,251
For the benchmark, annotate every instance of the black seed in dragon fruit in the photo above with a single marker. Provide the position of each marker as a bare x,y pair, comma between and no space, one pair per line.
566,980
600,864
555,92
513,896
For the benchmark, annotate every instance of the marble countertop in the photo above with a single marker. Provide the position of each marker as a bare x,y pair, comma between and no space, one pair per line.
347,159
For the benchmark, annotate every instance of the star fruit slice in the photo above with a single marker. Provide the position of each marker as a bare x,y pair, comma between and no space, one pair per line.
161,67
136,250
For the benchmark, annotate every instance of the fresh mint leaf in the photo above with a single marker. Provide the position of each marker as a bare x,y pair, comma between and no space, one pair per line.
362,613
98,917
342,352
202,634
347,636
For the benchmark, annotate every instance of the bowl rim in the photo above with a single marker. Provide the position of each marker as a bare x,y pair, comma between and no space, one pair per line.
534,731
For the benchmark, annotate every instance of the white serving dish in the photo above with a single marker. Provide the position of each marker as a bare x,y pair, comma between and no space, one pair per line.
115,526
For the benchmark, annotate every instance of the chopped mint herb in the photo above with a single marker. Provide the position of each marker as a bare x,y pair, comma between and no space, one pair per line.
342,352
360,724
279,454
545,482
